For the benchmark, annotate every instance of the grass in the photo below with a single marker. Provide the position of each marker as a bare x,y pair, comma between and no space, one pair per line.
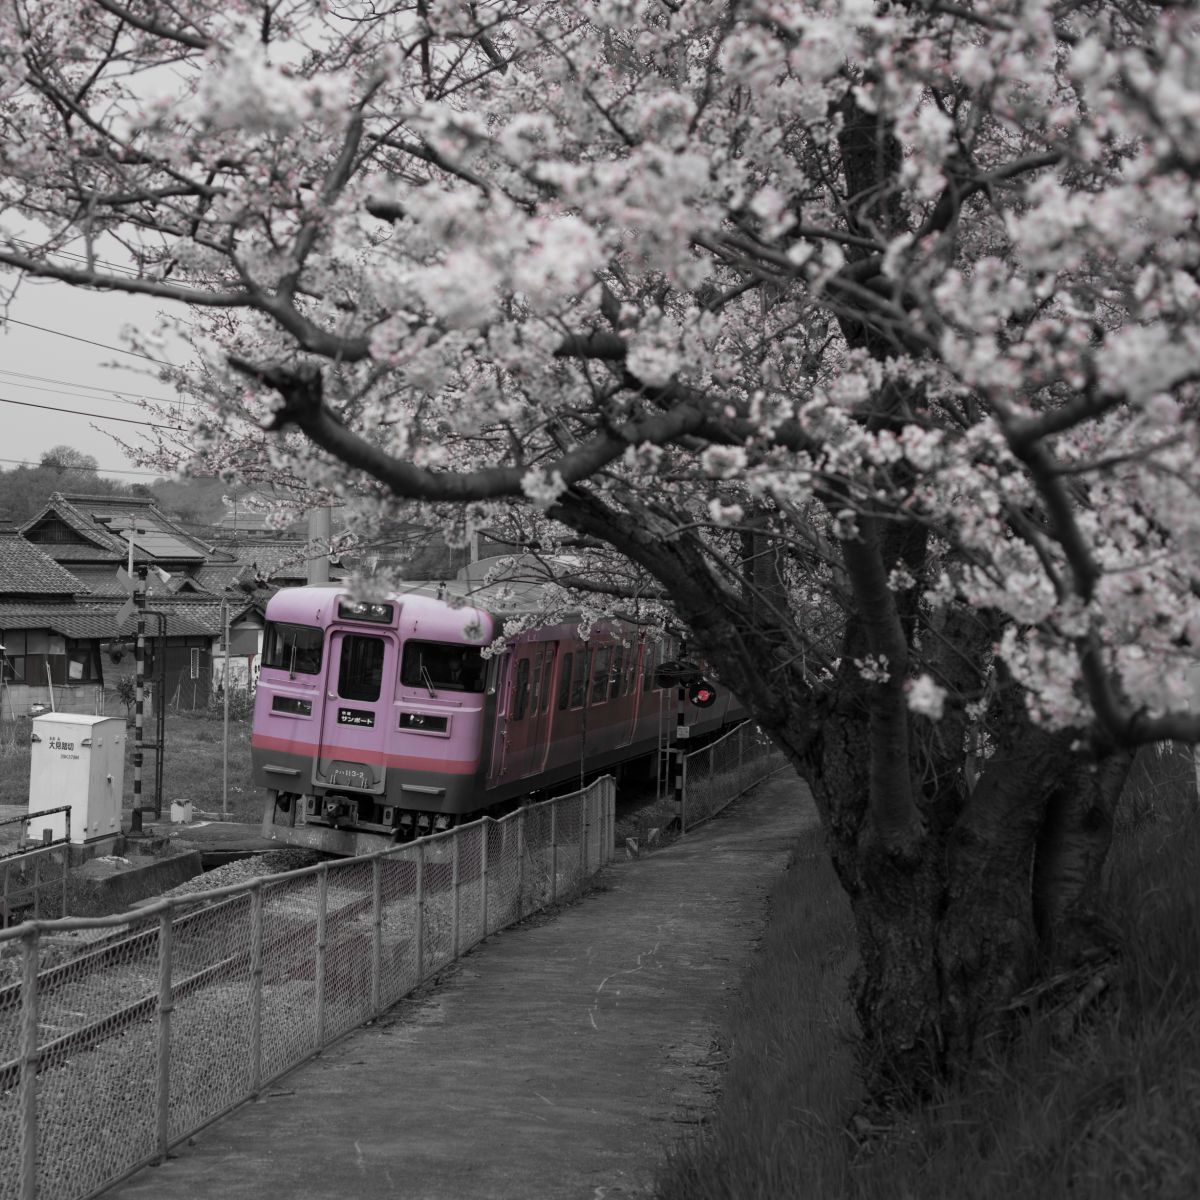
192,765
1109,1113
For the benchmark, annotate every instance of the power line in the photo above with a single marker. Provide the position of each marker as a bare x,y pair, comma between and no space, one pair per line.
112,266
87,341
20,462
95,416
109,398
91,387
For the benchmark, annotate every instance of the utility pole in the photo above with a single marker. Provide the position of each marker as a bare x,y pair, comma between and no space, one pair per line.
225,692
320,525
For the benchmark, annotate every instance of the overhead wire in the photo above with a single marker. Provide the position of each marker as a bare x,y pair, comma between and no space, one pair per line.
116,393
81,413
83,258
21,462
86,341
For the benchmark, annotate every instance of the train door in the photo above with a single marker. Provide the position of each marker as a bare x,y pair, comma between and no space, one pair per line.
355,723
529,712
504,669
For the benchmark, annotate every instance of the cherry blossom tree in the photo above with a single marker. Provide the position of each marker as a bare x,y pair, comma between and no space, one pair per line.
859,339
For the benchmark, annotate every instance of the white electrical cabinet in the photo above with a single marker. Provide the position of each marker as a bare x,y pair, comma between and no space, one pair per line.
80,761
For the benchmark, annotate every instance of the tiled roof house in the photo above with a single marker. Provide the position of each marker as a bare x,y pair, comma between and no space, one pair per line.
63,584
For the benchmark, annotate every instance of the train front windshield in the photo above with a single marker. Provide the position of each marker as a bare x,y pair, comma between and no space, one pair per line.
293,648
442,666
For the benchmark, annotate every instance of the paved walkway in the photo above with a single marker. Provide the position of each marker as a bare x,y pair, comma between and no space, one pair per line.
558,1059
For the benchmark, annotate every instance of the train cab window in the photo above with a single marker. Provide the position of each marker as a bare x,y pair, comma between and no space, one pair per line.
360,671
293,648
442,666
564,682
600,675
521,690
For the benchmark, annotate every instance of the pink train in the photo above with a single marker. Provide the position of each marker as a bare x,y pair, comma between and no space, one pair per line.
378,721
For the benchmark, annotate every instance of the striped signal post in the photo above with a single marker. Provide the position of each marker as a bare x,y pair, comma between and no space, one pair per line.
680,765
139,594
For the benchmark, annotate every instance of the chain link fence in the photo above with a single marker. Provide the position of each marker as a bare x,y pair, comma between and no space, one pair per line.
719,773
34,871
121,1036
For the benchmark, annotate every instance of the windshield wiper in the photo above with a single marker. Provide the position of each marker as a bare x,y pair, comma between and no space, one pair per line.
428,682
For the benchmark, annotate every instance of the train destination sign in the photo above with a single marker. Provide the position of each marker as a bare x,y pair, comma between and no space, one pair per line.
361,717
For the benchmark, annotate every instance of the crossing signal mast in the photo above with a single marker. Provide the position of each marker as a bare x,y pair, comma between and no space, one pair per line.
136,584
692,688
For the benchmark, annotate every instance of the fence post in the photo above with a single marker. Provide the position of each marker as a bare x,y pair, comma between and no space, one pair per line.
37,885
483,875
420,911
583,823
166,1004
554,852
376,936
29,1064
454,886
520,862
256,977
66,874
681,790
322,910
611,810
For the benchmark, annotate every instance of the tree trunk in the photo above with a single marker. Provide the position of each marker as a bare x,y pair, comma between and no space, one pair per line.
1072,846
951,935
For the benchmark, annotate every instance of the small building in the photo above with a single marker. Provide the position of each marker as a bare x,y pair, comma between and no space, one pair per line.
43,649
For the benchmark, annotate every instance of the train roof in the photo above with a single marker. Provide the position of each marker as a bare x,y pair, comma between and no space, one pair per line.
499,600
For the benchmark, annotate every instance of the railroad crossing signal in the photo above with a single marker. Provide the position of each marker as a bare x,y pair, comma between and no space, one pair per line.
687,675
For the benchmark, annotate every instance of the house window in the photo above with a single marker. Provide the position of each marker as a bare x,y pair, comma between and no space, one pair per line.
12,662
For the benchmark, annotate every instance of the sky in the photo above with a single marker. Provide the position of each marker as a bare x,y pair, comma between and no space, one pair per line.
75,399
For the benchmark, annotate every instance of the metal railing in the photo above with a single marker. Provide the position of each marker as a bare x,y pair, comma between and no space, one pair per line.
122,1036
33,875
723,770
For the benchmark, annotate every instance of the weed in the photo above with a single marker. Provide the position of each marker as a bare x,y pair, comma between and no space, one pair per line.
1111,1113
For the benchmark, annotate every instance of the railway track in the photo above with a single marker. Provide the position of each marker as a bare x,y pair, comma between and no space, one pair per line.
128,963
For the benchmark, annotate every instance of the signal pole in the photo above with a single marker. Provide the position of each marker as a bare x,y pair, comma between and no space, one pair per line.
139,596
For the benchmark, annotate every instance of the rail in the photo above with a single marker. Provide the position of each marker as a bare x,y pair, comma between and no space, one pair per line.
122,1036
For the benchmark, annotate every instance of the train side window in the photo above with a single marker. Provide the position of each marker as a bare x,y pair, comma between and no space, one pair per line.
618,673
648,663
547,679
535,681
360,671
521,689
600,675
579,679
564,682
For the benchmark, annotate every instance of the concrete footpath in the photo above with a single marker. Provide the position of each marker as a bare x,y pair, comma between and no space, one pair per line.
557,1059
